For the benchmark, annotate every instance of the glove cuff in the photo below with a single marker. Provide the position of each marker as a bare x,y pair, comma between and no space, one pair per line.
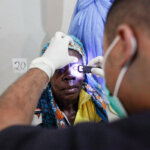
43,64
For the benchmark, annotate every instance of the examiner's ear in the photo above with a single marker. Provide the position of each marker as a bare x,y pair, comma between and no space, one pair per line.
129,44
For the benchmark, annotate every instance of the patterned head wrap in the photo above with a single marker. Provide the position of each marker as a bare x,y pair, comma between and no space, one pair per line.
51,114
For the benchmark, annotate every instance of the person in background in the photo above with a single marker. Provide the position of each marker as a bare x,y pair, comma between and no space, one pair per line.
71,97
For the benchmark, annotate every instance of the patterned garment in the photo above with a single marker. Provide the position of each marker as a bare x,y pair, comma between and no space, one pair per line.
52,116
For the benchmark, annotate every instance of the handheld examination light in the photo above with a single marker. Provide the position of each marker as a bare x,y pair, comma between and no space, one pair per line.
85,69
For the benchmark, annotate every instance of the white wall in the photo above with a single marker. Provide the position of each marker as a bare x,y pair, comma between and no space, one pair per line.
25,26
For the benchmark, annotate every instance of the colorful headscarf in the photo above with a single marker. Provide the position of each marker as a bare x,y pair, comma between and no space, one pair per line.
52,116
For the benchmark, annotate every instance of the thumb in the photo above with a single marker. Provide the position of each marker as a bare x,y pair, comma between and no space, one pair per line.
73,59
98,72
96,61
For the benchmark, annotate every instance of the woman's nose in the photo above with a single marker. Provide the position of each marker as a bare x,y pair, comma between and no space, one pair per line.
69,77
68,74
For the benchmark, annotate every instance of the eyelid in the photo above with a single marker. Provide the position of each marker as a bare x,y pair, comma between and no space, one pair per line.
75,67
62,70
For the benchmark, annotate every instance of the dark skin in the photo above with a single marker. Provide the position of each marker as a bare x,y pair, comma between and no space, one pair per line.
66,86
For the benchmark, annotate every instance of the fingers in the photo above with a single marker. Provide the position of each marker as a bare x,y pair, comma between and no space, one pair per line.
68,39
98,61
73,59
98,72
60,35
68,60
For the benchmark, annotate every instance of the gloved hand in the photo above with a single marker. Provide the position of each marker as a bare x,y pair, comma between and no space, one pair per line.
56,55
97,62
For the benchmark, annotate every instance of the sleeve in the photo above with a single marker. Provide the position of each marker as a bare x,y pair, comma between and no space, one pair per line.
124,134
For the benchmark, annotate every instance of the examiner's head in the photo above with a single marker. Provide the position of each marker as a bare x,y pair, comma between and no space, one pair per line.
129,20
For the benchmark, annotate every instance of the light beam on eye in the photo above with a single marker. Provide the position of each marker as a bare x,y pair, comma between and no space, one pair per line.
74,71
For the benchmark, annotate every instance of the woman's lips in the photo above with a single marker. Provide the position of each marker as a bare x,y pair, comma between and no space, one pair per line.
71,90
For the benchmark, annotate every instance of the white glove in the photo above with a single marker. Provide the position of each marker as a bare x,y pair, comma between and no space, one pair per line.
97,62
56,55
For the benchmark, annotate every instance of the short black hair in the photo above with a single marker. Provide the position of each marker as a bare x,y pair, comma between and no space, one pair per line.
136,13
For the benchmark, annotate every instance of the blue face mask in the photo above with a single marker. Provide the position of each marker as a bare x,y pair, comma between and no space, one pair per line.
114,101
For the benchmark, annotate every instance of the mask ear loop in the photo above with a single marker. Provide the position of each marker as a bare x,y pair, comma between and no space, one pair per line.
116,40
125,68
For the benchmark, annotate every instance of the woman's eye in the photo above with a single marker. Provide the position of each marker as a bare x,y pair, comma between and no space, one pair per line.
75,67
60,71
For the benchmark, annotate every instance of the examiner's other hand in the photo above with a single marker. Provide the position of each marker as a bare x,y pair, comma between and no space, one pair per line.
97,62
56,56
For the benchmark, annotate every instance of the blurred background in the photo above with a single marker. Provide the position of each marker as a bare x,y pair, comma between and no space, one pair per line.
25,27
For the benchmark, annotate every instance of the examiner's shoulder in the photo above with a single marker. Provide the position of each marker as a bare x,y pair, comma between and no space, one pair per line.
29,137
22,138
82,136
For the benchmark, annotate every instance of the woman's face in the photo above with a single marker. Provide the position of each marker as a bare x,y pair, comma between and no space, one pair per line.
67,82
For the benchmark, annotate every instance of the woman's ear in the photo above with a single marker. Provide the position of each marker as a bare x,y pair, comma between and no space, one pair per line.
128,43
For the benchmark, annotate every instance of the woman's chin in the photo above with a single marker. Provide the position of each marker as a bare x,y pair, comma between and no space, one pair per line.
70,97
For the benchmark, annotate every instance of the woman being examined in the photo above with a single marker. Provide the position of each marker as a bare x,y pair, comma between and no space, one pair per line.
71,96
